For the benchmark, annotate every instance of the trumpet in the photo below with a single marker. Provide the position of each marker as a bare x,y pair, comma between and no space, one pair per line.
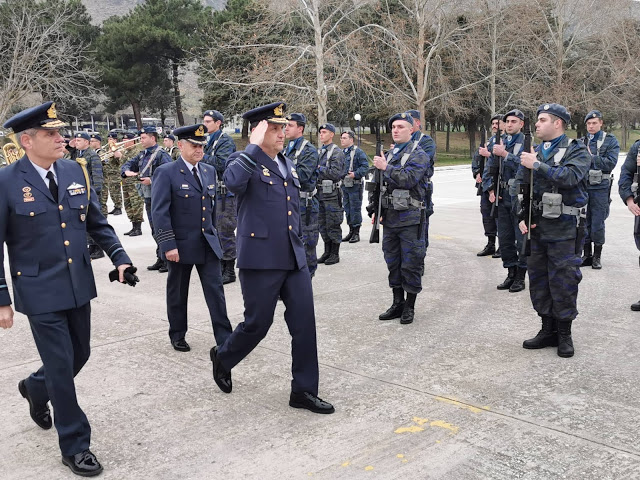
119,147
12,150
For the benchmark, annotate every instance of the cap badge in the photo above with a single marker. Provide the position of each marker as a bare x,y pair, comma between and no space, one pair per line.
200,131
594,115
278,110
546,107
51,113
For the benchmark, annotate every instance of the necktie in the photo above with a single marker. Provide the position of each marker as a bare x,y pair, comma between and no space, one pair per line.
53,187
194,170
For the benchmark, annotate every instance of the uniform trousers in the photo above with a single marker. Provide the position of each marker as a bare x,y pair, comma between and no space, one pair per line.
260,290
597,213
510,237
310,231
404,250
352,199
330,214
226,223
488,222
62,339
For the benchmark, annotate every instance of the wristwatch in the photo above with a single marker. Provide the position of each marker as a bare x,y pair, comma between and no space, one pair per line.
536,164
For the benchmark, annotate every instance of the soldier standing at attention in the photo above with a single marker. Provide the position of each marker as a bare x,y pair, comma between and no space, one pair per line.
183,195
47,208
330,172
112,179
133,202
217,151
604,150
305,159
403,217
357,165
271,258
560,169
142,167
170,147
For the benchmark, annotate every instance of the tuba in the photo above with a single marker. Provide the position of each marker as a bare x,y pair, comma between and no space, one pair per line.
12,151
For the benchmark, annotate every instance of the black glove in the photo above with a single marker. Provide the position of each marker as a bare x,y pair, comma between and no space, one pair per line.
371,209
130,277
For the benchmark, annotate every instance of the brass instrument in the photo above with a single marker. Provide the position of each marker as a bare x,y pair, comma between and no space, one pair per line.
119,147
12,150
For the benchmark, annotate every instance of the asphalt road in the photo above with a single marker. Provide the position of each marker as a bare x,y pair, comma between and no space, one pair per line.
452,396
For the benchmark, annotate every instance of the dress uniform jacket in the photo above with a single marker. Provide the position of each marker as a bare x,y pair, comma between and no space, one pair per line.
46,240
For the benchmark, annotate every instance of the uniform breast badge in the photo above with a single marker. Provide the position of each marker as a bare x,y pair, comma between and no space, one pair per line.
76,189
265,172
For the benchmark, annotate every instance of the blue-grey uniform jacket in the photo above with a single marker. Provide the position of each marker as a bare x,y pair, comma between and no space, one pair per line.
604,158
628,170
217,151
94,167
330,169
139,161
305,159
510,164
360,162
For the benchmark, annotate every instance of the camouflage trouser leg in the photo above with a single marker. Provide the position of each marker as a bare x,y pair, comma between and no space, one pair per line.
111,187
554,275
330,219
226,223
133,202
352,198
310,233
404,251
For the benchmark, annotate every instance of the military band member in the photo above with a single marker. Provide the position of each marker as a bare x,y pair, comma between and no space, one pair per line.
305,158
403,217
508,154
560,169
95,142
46,210
218,148
131,199
271,258
330,173
477,167
357,166
112,178
170,146
603,150
183,194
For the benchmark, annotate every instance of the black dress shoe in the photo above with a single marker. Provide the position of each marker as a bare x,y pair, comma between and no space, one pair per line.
84,464
181,345
39,413
116,211
310,402
156,266
220,374
163,268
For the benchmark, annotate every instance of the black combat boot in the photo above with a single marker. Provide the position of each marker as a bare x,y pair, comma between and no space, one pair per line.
334,256
349,235
597,253
497,254
229,273
396,308
157,265
133,228
546,337
95,252
587,258
511,276
327,252
518,281
636,306
116,211
137,229
565,342
409,309
489,248
355,238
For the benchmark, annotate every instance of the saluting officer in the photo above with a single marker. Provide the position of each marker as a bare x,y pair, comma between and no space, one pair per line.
403,217
218,149
170,147
559,168
330,172
604,150
357,166
305,158
47,207
183,199
271,258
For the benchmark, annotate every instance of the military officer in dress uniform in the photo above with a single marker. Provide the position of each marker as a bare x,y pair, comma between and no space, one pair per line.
305,158
271,258
403,217
604,150
47,207
357,166
183,197
218,148
143,166
330,173
560,169
170,147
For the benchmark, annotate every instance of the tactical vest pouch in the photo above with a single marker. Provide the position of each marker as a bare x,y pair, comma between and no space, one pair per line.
595,177
400,199
328,186
551,205
348,181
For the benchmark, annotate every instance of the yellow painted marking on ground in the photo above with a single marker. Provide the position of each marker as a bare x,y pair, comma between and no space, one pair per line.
345,464
400,455
411,429
441,237
420,421
368,468
445,425
461,405
437,441
405,460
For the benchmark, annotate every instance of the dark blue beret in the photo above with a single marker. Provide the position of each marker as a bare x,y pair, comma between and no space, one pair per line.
272,113
216,115
555,109
129,135
497,116
297,117
84,135
96,136
593,114
171,137
113,135
514,113
401,116
327,126
149,130
414,113
191,133
42,116
350,133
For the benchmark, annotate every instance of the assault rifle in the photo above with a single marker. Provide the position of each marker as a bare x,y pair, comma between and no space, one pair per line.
526,192
483,141
375,207
496,171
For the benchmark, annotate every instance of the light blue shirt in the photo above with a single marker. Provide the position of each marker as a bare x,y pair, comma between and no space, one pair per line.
43,173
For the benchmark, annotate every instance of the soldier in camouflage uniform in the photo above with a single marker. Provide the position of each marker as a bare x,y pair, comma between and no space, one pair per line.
305,157
559,168
170,147
133,202
218,149
403,215
112,180
330,173
356,166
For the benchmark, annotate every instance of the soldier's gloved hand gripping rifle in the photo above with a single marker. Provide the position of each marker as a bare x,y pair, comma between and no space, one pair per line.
526,192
